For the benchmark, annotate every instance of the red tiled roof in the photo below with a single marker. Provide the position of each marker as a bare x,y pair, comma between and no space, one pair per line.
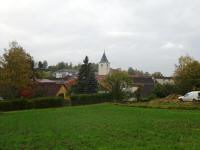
70,83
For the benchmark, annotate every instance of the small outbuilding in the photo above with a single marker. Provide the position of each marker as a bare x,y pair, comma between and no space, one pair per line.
146,85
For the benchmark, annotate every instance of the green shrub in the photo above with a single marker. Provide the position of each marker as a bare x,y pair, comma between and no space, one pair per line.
151,97
41,102
46,102
84,99
164,90
18,104
144,99
9,92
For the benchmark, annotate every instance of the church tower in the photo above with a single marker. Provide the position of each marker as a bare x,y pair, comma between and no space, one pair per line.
104,66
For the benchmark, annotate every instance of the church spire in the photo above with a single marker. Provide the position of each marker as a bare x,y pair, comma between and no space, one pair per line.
104,66
104,58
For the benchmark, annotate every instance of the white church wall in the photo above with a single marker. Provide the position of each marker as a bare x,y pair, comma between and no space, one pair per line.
104,68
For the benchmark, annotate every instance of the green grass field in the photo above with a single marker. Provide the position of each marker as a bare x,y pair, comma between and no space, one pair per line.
100,127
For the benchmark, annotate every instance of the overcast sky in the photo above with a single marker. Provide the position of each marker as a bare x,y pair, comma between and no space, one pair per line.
146,34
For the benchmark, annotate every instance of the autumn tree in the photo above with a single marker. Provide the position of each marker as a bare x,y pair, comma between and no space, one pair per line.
118,82
187,74
16,70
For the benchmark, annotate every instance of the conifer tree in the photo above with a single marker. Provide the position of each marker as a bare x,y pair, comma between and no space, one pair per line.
87,82
92,82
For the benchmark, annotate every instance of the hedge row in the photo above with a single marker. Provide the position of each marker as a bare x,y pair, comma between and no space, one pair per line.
47,102
20,104
84,99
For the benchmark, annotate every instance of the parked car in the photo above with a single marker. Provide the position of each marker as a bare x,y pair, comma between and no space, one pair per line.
191,96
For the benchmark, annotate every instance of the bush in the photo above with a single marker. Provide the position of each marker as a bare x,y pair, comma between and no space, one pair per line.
46,102
18,104
84,99
164,90
42,102
151,97
9,92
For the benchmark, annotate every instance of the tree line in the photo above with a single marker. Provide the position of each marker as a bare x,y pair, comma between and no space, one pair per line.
43,65
137,72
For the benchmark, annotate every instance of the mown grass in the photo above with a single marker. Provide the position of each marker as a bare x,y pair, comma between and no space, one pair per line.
100,127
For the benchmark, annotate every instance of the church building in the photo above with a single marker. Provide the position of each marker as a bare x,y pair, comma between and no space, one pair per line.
104,66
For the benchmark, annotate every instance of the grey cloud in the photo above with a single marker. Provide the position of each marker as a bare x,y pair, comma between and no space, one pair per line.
148,35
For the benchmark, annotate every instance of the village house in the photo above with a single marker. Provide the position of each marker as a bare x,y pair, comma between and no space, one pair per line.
55,87
60,74
48,88
146,85
164,80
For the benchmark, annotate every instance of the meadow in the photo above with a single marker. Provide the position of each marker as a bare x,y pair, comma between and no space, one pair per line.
100,127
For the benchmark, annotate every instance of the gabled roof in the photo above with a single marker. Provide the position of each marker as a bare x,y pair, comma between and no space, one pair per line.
69,83
49,89
143,80
104,59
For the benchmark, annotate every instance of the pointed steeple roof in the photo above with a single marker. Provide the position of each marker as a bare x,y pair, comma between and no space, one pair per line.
104,58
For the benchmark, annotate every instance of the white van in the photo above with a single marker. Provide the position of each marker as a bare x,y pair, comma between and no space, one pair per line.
191,96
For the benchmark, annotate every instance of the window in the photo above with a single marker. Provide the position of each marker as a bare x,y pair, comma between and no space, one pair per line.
186,95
